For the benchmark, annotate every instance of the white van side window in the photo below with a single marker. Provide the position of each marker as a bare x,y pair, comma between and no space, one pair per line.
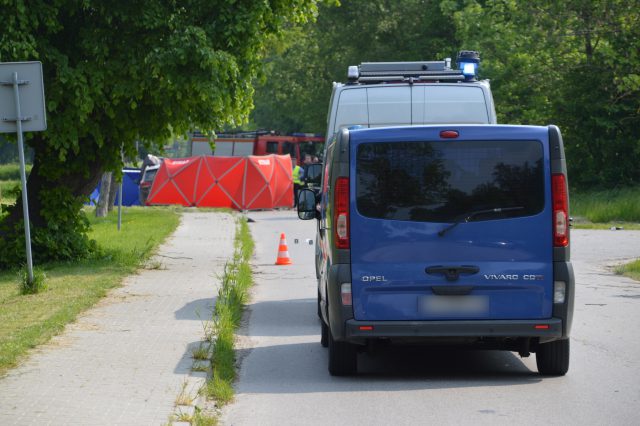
451,104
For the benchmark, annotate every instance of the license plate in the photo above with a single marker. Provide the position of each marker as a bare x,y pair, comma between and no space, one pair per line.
453,305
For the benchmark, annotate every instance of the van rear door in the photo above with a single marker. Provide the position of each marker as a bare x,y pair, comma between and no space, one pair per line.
450,103
373,106
451,228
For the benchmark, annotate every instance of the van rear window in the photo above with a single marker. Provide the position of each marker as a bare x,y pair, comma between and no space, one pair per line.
448,181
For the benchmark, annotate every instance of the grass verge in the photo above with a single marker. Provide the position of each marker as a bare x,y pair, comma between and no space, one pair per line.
611,206
232,295
30,320
631,270
628,226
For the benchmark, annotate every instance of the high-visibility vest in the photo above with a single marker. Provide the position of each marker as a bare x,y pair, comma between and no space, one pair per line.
296,175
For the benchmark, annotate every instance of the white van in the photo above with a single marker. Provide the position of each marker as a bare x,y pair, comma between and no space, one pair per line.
380,94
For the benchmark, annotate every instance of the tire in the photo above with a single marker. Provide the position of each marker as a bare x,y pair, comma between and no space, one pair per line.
319,309
324,334
553,358
343,360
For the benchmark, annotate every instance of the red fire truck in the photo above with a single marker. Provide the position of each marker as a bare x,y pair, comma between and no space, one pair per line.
241,144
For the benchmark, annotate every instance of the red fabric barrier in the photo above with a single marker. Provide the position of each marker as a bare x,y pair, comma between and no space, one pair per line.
242,183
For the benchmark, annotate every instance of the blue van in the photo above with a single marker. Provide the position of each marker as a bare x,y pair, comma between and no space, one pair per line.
451,235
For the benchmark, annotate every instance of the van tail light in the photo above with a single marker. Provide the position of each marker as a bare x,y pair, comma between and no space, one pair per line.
560,210
341,213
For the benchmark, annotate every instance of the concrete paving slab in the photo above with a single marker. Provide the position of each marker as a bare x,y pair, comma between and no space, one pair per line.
125,361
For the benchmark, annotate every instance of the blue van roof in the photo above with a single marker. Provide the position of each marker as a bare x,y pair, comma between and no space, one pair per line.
466,132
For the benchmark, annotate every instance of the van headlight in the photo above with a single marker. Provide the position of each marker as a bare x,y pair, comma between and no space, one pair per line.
559,291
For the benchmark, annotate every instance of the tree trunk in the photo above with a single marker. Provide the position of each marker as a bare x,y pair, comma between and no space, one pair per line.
57,187
102,207
77,183
112,192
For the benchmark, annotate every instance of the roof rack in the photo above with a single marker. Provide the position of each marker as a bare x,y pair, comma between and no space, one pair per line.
379,72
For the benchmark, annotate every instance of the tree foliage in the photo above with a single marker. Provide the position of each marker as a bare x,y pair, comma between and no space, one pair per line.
302,66
573,63
120,71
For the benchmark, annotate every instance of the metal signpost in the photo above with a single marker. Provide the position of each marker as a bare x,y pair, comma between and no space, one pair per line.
22,110
120,191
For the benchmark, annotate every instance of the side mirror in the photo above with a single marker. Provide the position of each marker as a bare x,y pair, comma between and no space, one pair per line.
306,204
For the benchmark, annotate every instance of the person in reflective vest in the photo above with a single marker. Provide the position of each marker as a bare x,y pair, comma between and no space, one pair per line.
297,183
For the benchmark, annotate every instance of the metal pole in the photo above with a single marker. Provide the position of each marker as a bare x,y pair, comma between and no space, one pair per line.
121,188
23,178
120,203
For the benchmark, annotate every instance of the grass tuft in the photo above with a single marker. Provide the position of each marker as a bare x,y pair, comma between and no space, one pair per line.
184,398
31,287
631,270
202,419
201,352
220,389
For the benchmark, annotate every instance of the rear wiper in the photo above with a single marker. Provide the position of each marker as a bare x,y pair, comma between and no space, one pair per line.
468,216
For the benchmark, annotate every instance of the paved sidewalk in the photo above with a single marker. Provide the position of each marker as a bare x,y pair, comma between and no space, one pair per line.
124,361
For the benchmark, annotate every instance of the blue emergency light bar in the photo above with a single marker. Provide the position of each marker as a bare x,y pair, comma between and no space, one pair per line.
468,62
421,71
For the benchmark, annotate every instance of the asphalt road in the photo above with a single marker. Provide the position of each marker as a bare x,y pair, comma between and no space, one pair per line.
284,378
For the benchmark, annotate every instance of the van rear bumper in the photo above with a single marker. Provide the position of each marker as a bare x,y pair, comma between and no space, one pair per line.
478,328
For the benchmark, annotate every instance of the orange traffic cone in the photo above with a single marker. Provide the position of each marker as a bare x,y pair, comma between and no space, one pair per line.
283,252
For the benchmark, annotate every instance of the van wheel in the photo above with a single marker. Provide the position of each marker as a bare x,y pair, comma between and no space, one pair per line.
343,359
324,334
553,358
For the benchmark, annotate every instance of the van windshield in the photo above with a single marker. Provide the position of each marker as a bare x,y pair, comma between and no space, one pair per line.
442,181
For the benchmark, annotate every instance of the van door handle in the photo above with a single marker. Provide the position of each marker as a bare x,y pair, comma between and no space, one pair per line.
450,272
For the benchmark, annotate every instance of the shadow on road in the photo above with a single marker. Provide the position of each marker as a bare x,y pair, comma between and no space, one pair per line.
197,310
302,368
184,365
287,357
293,317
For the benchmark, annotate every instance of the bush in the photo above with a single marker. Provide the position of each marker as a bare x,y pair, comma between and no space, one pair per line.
64,238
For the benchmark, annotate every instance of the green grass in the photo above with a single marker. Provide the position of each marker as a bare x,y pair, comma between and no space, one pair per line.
202,419
143,229
9,185
232,296
7,191
616,206
631,270
30,320
11,171
201,353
